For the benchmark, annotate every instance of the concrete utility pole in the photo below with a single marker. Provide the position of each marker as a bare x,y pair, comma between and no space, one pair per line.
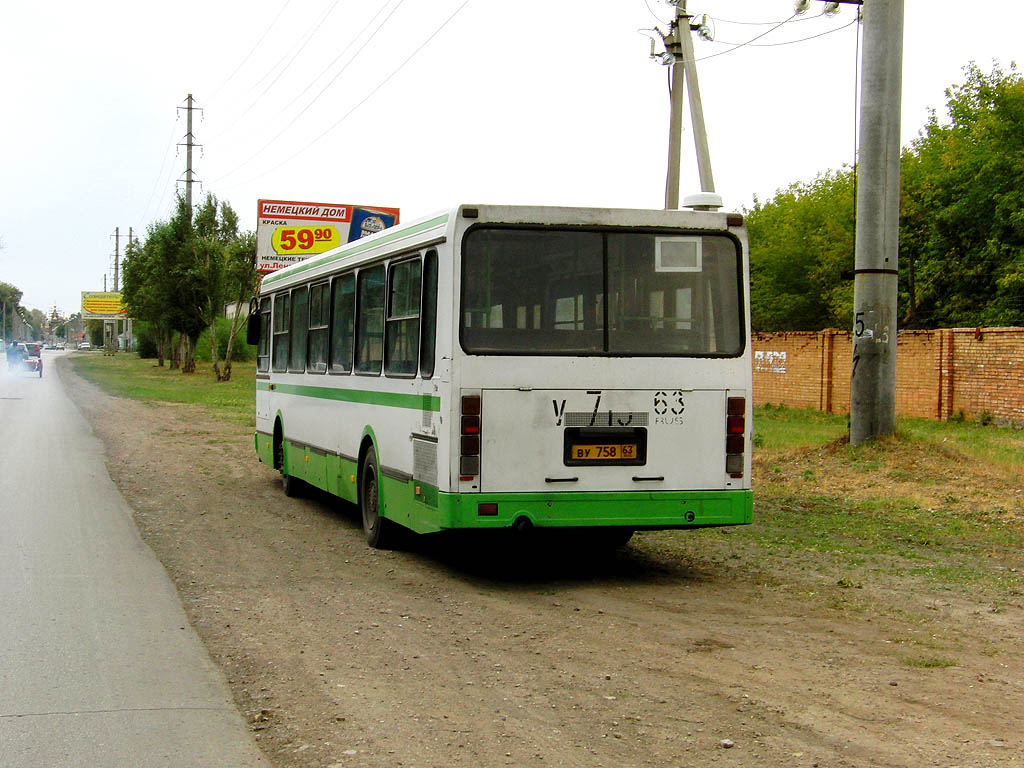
189,143
117,254
873,379
684,69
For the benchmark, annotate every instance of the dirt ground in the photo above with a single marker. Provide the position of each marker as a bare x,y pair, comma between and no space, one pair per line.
487,651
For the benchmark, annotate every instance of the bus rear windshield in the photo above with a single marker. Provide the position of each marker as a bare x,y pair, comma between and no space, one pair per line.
558,292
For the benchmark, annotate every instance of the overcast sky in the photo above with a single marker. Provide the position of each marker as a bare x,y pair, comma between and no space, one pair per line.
418,104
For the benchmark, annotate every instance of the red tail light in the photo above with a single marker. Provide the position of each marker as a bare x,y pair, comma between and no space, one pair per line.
469,443
735,435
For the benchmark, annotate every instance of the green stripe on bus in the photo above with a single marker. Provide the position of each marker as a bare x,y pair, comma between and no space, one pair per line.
386,238
390,399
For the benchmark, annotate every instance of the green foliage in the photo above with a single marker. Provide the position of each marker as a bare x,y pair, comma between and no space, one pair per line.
10,298
801,242
963,207
147,341
961,228
240,352
94,332
189,267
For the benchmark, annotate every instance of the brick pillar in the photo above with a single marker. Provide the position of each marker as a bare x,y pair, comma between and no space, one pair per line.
945,368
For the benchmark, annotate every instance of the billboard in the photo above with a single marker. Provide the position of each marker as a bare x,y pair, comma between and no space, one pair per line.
288,232
103,305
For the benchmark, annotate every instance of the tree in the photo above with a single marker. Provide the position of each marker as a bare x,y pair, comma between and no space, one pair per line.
225,271
10,298
961,231
180,279
147,286
963,202
801,244
241,281
36,320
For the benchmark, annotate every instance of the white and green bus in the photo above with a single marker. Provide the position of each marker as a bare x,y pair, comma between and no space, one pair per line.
508,366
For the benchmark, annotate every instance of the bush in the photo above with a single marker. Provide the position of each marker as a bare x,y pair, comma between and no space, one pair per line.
146,346
241,352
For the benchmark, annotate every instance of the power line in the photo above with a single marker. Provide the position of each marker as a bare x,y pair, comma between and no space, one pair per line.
297,48
300,49
322,90
765,23
366,98
343,52
787,42
160,175
751,40
657,18
252,50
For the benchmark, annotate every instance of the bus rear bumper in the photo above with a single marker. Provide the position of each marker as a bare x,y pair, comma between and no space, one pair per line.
652,510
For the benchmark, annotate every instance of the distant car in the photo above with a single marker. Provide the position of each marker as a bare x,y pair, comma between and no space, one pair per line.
25,356
61,346
34,358
85,345
50,346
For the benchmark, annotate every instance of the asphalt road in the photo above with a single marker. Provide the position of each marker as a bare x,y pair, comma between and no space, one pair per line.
98,664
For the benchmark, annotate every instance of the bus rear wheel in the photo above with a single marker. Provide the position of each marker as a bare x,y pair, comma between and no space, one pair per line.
289,484
379,530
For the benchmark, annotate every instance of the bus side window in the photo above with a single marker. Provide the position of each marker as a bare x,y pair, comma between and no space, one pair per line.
300,328
319,319
428,315
263,350
343,311
402,329
282,336
370,320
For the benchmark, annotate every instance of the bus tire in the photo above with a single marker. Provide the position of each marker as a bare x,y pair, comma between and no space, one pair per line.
379,530
290,485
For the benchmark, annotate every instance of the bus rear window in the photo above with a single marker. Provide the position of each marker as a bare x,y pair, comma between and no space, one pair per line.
557,292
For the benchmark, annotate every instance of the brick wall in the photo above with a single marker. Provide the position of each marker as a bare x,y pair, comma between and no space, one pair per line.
938,373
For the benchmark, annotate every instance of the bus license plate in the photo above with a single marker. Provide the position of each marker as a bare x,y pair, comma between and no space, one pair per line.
604,446
604,452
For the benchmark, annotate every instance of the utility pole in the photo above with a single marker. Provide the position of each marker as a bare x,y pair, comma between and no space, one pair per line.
873,379
117,254
189,143
679,52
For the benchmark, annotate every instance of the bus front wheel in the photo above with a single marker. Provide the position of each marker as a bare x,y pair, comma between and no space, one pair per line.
379,530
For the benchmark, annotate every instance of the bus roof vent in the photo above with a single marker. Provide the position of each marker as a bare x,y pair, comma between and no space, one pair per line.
703,201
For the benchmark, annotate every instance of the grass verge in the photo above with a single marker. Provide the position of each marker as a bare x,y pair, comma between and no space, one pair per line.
936,508
125,375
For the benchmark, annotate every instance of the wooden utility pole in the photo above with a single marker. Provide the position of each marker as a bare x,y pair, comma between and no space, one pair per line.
873,378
